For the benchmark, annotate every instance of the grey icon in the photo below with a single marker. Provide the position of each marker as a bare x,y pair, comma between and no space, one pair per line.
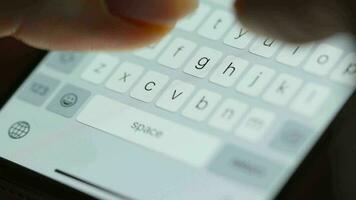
37,89
69,100
19,130
64,62
255,124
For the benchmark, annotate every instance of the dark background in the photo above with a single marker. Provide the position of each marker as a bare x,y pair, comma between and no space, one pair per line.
328,174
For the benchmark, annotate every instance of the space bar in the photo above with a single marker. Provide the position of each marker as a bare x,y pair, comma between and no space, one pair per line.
150,131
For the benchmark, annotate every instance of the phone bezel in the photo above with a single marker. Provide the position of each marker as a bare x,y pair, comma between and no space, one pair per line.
19,177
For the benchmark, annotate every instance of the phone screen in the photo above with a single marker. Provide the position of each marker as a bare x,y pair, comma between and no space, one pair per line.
212,111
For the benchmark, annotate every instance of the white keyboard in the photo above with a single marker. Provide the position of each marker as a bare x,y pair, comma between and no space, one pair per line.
238,74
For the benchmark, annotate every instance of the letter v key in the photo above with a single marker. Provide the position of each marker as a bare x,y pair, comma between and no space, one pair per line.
175,96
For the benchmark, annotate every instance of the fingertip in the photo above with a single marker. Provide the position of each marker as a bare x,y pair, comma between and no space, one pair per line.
142,35
116,39
89,27
151,11
293,21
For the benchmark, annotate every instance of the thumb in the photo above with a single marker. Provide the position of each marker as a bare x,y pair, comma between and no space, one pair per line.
298,20
90,24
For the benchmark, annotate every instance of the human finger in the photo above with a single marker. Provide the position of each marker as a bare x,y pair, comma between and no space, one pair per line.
297,20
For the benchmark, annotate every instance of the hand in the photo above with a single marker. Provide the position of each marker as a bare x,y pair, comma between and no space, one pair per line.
90,24
117,24
298,20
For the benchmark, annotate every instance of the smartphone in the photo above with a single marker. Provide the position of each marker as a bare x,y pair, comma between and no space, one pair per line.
212,111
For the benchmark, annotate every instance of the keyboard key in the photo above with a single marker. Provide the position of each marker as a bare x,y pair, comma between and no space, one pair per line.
346,72
152,51
177,53
229,71
68,101
64,62
149,86
265,47
203,62
124,77
239,37
255,125
175,96
323,60
245,167
191,22
216,25
228,114
150,131
283,89
100,68
201,105
256,80
38,89
310,100
291,137
294,55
